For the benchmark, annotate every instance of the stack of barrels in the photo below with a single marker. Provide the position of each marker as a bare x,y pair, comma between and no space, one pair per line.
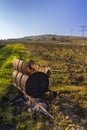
30,77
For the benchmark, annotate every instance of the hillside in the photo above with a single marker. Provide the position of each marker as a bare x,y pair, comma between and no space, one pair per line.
54,37
48,38
68,64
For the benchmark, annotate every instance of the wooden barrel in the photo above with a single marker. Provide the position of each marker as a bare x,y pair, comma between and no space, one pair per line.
24,80
15,63
20,65
14,75
34,85
19,79
37,84
24,68
35,66
38,67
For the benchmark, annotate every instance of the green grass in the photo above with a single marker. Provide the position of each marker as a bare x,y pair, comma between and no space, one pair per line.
7,54
7,91
64,61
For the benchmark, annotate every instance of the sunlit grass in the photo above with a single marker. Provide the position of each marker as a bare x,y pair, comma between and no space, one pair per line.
7,54
50,55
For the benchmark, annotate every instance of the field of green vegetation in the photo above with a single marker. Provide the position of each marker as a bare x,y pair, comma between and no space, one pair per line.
68,65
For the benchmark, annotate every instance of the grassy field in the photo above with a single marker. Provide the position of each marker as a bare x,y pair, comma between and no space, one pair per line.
68,65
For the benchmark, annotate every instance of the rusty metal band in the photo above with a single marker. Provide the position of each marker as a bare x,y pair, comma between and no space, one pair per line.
16,78
22,66
20,81
18,64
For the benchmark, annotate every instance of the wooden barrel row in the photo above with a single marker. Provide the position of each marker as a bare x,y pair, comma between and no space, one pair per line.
29,68
34,85
19,79
39,68
20,65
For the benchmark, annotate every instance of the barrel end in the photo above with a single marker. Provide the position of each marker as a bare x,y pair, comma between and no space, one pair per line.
14,59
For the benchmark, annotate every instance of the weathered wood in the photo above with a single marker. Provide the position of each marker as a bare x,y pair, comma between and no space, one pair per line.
37,104
29,68
34,85
39,68
67,99
63,97
20,65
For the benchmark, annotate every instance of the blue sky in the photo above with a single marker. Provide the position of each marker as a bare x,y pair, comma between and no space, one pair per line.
19,18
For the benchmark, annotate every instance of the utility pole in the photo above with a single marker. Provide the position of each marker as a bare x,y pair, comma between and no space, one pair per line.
71,32
83,30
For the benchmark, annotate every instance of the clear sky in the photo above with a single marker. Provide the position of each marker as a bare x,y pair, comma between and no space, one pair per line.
19,18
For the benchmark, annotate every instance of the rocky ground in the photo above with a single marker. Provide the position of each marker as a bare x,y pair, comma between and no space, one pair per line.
68,116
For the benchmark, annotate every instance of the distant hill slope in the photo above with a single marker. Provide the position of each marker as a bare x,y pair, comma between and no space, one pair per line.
46,37
53,37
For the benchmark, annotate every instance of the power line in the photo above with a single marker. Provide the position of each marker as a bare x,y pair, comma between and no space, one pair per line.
71,32
83,30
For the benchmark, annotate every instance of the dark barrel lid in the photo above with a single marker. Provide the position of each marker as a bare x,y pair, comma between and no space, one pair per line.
37,84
